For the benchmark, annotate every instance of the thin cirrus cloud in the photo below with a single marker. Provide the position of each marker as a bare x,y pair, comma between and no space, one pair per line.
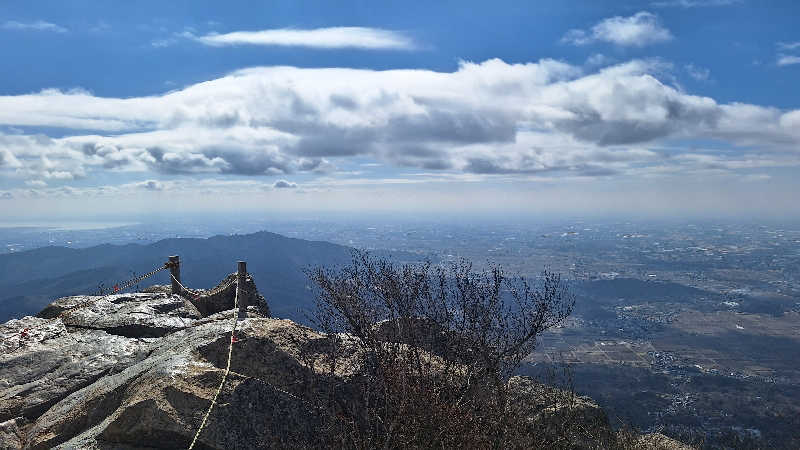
38,25
788,60
638,30
694,3
789,45
697,72
323,38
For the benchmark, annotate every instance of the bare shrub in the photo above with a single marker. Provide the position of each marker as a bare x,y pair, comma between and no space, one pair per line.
436,346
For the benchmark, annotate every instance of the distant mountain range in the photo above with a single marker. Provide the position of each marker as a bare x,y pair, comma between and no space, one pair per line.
32,279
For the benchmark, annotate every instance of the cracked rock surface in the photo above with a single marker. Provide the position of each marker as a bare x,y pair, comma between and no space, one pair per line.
130,315
48,362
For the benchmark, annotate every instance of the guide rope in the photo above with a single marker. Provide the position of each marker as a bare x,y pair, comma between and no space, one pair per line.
227,367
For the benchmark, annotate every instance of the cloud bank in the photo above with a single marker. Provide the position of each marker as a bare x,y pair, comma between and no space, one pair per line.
542,119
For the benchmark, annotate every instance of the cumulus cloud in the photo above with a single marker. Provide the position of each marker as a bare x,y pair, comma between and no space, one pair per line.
283,184
638,30
546,118
38,25
323,38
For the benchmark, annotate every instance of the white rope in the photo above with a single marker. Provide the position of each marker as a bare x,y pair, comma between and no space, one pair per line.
227,368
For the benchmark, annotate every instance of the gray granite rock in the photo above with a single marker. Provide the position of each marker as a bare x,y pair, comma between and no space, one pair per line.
44,364
162,399
133,315
11,435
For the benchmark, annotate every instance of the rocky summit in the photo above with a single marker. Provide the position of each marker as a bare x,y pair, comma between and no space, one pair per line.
137,371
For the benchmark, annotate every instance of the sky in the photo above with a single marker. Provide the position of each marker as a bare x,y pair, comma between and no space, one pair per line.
659,107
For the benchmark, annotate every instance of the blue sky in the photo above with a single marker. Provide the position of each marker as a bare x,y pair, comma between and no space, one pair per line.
671,107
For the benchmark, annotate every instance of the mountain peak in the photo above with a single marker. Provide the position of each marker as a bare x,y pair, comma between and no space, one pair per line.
139,370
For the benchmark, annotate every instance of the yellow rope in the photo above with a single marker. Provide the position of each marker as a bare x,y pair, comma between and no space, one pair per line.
227,369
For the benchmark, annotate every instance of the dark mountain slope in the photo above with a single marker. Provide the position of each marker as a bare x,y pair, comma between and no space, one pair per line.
30,280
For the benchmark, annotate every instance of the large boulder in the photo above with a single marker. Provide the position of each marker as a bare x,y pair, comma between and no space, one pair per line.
130,315
43,361
161,400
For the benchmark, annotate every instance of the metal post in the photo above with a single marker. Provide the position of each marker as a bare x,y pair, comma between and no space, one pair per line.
241,275
175,269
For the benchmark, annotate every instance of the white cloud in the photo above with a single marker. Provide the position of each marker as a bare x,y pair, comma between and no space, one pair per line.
544,119
283,184
100,27
38,25
694,3
698,73
151,185
599,59
788,60
638,30
323,38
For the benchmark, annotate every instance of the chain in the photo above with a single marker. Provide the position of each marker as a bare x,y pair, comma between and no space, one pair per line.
139,279
227,369
117,288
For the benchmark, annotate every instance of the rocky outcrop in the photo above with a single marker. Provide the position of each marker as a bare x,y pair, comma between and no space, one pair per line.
129,315
657,441
11,434
219,298
41,366
556,414
162,398
138,371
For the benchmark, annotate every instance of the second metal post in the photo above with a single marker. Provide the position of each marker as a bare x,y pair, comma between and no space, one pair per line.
241,275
